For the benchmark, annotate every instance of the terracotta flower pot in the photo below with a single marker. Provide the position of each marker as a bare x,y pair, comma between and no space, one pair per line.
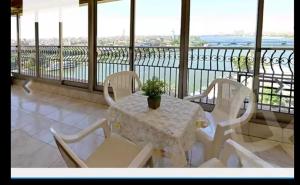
154,102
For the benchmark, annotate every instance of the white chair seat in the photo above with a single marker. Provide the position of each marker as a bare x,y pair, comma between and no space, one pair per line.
213,163
114,152
209,131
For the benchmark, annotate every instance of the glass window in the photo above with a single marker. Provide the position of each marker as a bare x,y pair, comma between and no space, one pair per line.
279,33
113,29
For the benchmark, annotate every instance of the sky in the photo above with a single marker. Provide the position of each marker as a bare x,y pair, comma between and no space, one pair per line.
155,17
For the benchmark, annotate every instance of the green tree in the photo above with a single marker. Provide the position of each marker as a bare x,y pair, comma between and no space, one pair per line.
243,62
266,97
196,41
175,42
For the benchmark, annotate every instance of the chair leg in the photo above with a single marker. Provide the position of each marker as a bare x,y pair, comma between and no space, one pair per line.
207,152
149,163
187,155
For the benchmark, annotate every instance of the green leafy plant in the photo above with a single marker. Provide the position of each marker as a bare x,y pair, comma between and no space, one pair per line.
266,99
154,88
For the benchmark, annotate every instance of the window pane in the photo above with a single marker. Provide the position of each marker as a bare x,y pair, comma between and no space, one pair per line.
113,23
222,37
13,28
27,38
223,23
75,42
280,32
276,91
113,38
48,27
27,21
158,22
75,25
157,41
13,43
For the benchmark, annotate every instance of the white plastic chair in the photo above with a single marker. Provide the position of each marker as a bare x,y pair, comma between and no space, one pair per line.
114,152
122,84
246,159
224,117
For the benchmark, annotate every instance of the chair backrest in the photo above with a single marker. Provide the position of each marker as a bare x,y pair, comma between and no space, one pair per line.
230,98
246,158
71,159
122,84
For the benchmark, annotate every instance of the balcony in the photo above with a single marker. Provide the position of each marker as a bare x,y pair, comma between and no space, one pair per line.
65,85
205,63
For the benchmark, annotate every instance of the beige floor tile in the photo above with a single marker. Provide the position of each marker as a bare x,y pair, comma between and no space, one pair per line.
288,136
46,109
288,149
42,158
87,121
65,129
52,143
274,152
59,114
44,135
20,118
265,131
38,124
29,106
60,163
277,156
23,147
73,118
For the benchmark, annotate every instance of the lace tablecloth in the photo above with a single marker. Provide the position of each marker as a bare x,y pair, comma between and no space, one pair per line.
170,128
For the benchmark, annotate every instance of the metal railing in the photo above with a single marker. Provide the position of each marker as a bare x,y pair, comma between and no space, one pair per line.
75,64
111,59
28,61
49,61
276,78
14,59
161,62
276,85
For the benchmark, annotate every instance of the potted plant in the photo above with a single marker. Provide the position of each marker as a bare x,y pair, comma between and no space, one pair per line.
154,89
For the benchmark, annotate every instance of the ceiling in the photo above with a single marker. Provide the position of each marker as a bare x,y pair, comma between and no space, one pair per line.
17,5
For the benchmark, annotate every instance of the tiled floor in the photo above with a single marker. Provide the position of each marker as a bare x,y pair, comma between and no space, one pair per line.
32,144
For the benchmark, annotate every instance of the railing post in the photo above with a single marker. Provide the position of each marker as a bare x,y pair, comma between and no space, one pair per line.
37,63
258,42
184,48
18,43
92,44
132,35
61,57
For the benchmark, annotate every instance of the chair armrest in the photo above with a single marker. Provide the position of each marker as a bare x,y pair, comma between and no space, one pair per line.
245,155
76,137
243,119
143,156
107,97
196,97
204,94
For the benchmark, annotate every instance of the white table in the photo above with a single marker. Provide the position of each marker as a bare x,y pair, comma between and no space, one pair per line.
170,128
